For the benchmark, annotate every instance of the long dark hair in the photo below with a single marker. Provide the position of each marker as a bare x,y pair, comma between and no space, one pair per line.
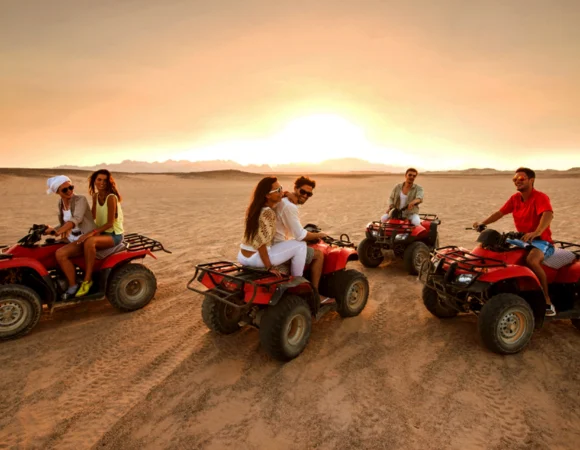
111,185
255,208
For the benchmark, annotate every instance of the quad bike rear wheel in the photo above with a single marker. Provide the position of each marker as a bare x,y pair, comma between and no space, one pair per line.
20,310
131,287
369,253
506,323
219,316
352,292
285,328
415,256
433,304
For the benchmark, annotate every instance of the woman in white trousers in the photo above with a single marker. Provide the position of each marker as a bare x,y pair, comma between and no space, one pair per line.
256,249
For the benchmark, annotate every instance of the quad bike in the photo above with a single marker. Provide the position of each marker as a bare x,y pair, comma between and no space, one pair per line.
493,282
30,278
411,243
281,308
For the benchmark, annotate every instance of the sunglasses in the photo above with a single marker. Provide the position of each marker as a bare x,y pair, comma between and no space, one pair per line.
277,190
515,179
66,189
306,193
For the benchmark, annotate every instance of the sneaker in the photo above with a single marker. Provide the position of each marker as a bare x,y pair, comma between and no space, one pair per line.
84,289
70,292
550,311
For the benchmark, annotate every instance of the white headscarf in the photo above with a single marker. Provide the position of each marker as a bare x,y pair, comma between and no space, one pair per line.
55,182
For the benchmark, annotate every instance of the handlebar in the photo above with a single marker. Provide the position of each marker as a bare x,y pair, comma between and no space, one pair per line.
479,228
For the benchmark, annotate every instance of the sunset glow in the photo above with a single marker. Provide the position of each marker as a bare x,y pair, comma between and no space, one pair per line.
398,83
310,139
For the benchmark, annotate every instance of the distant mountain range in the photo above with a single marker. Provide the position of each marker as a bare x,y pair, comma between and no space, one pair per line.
343,165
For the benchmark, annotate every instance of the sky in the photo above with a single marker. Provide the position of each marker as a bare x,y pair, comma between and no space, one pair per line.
444,84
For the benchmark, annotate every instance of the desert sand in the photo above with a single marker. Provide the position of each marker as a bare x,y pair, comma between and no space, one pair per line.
393,378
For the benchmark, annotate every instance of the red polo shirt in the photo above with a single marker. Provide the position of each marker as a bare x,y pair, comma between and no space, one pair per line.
527,214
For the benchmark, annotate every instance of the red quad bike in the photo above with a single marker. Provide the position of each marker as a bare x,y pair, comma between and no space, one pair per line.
281,308
411,243
493,282
30,278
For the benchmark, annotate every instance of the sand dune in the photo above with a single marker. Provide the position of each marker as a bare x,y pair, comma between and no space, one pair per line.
394,377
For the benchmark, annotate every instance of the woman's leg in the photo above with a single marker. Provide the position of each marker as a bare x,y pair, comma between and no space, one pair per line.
292,250
63,256
91,245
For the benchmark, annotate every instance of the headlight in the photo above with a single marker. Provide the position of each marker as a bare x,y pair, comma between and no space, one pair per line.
465,278
375,233
401,237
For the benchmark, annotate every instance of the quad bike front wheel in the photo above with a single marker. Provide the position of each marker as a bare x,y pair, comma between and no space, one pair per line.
369,253
352,292
219,316
131,287
285,328
433,303
506,323
415,256
20,310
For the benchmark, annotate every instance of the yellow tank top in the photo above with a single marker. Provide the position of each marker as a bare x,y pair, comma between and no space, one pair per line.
103,215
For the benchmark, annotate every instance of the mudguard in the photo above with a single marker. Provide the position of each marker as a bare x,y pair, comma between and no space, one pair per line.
568,274
418,231
337,258
525,277
124,256
297,285
27,263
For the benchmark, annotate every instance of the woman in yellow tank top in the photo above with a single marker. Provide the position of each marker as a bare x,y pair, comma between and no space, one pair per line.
108,216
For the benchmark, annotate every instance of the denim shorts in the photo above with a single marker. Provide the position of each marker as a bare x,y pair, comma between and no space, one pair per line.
117,238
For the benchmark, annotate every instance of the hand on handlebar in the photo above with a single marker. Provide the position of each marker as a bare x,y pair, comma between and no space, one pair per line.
49,230
530,236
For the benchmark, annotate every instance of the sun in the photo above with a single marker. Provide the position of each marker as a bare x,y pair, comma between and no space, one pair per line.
308,139
316,138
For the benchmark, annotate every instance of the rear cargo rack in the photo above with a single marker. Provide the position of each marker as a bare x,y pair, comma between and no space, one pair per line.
243,275
466,260
136,242
568,246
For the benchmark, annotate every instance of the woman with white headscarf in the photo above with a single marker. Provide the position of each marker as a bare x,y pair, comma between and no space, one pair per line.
75,219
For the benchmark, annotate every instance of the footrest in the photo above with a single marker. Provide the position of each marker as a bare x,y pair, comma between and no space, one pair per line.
325,309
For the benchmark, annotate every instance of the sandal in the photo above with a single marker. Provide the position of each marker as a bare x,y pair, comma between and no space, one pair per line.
550,311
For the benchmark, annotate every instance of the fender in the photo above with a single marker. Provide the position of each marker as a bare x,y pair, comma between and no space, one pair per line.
27,263
526,278
337,258
569,273
116,258
418,231
305,287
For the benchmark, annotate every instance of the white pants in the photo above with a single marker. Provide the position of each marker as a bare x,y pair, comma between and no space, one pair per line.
279,253
413,218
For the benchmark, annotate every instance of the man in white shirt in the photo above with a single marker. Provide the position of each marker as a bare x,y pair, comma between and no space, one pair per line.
288,225
406,197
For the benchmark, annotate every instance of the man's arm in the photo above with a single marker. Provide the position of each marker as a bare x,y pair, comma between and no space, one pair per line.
418,199
491,219
545,222
292,222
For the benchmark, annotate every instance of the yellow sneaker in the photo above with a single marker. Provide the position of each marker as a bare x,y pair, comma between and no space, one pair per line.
84,289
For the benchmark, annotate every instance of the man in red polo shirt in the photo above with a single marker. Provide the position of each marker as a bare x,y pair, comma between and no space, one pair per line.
532,212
